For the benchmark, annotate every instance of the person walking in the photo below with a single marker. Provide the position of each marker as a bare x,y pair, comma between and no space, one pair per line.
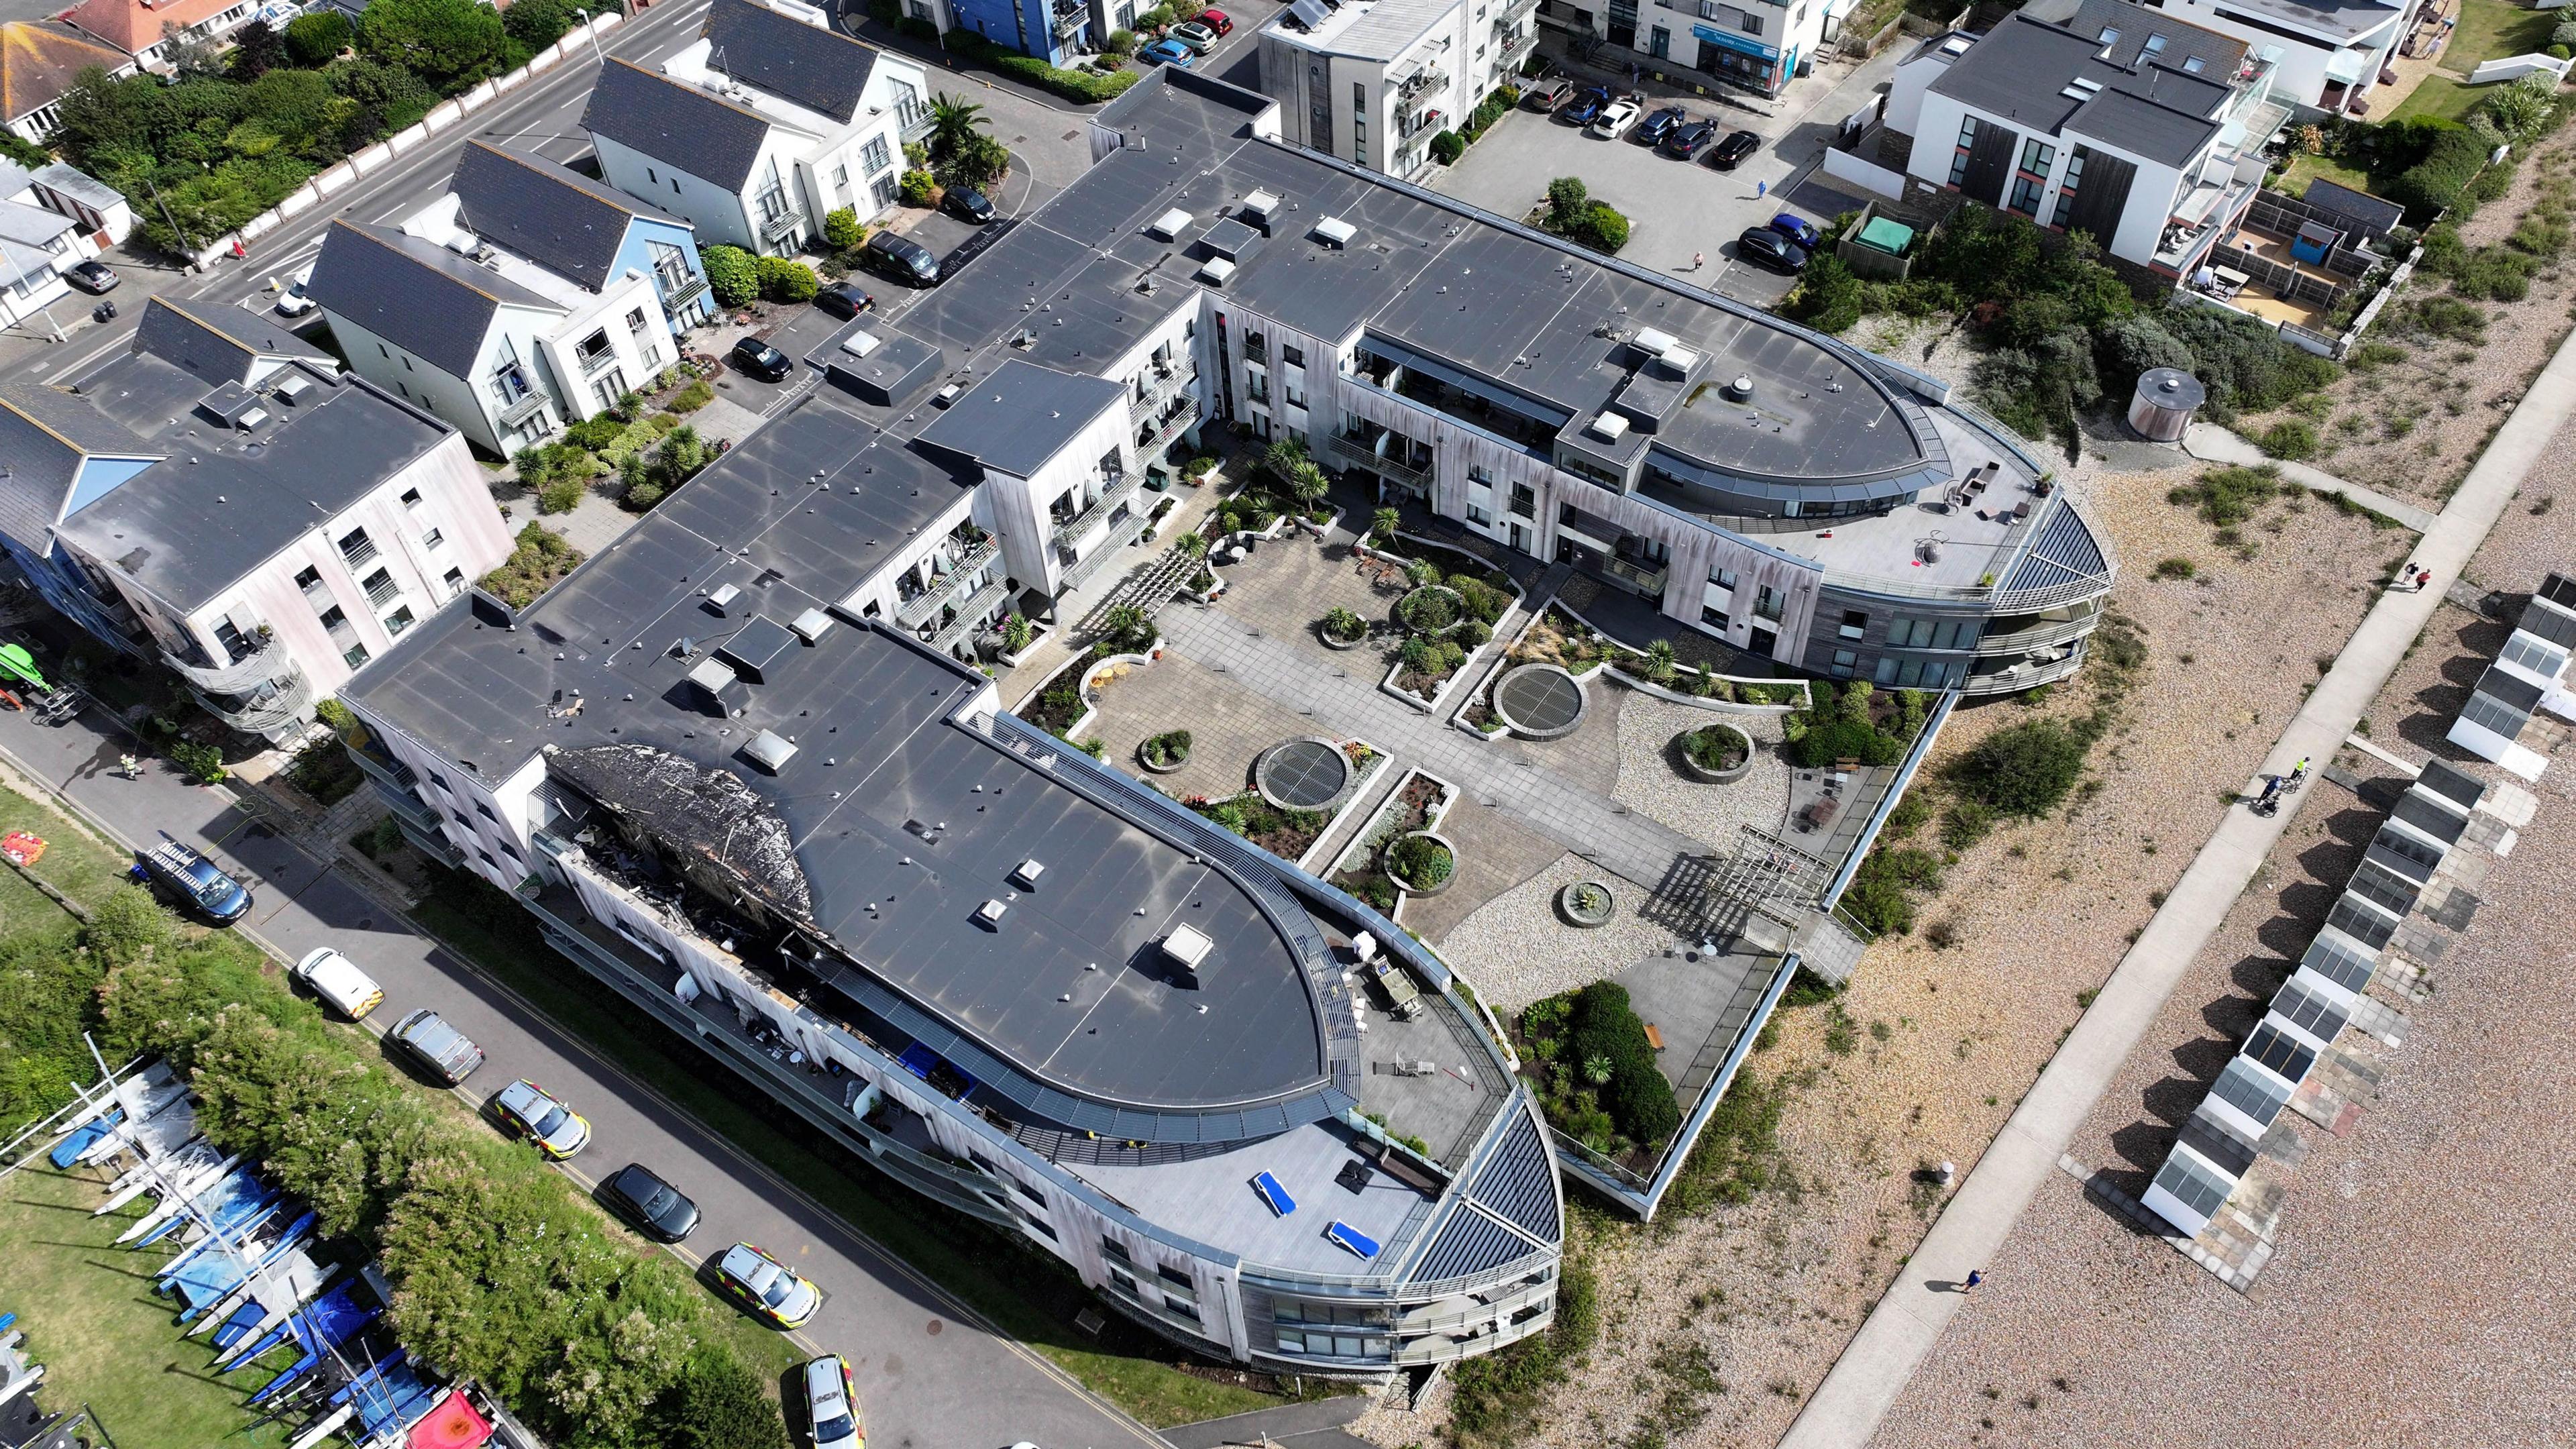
1761,189
130,767
1975,1277
1698,260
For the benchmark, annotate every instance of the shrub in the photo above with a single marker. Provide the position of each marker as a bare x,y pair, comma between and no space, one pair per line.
919,188
1828,297
691,398
841,228
202,764
1966,822
1430,611
1603,1025
1168,748
1344,625
562,495
2134,345
641,495
2496,274
2433,184
782,280
1121,43
541,558
1420,862
1485,603
1660,661
1826,741
2023,769
2564,33
1447,147
1714,747
2176,568
594,433
1073,85
1604,228
731,273
312,39
2290,438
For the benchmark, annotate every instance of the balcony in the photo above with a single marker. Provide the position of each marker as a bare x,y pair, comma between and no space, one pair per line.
1362,452
384,593
1166,380
359,554
781,223
595,363
970,614
1256,350
678,293
1121,533
270,662
1422,82
1182,411
528,406
1069,21
1119,489
915,118
921,608
1645,579
1516,48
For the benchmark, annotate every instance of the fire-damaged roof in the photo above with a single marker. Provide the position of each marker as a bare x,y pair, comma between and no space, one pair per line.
697,808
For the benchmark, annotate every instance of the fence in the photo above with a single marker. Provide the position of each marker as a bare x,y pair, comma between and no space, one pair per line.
332,180
1862,47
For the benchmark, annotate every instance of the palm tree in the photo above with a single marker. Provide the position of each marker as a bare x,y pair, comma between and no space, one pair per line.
952,121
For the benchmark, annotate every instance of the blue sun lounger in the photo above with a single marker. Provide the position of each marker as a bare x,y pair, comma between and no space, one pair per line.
1272,1194
1351,1238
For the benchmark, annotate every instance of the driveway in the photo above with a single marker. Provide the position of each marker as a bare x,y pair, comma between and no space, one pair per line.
929,1372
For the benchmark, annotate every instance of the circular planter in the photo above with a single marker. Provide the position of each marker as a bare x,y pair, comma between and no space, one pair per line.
1425,891
1540,701
1693,769
1332,643
1569,904
1154,769
1455,598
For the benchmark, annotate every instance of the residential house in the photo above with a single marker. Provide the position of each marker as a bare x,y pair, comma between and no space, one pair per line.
39,60
760,127
1747,45
39,241
101,209
526,297
144,29
224,498
2329,54
1372,81
2120,122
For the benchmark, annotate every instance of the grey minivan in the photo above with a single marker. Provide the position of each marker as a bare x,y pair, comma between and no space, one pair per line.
441,1050
902,258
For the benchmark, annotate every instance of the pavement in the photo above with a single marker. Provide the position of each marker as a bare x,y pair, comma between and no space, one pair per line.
1847,1408
930,1371
2213,444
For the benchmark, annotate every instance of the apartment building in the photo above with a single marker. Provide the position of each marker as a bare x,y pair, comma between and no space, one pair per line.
1372,81
1757,46
766,123
2328,56
222,498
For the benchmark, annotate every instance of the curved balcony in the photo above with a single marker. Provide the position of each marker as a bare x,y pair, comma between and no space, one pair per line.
271,662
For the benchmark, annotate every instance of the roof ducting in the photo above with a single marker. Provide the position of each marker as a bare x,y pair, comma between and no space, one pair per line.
1332,231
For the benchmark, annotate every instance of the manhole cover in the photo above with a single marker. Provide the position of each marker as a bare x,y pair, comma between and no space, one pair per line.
1540,699
1304,774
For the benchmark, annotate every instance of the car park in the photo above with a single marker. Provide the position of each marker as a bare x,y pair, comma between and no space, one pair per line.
1615,119
1732,151
1218,21
761,360
1195,35
1798,230
902,258
182,873
653,1207
763,1285
94,277
832,1404
844,299
1167,51
1762,246
967,204
440,1049
1584,107
543,1118
1661,124
295,301
1688,141
339,983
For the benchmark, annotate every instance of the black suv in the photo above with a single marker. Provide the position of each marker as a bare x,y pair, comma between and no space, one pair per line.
658,1210
902,258
1734,149
761,360
844,299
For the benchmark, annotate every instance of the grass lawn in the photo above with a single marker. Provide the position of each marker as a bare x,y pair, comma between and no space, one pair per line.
92,1320
76,863
2492,28
2439,95
2304,169
1031,1297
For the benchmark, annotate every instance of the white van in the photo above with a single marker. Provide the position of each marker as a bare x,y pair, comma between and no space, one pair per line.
341,985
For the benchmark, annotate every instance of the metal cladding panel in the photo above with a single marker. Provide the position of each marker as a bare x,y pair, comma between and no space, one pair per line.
2064,552
1518,1185
1471,1243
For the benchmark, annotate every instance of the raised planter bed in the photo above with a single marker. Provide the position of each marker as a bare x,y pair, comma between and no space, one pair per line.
1419,803
1323,631
1704,754
1586,903
1438,848
1165,753
1416,604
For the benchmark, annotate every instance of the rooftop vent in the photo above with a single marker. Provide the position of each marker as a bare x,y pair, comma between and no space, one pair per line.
1956,45
1187,947
754,649
811,624
769,751
989,915
715,679
948,395
1656,344
1025,874
1215,270
860,344
294,387
1678,358
1170,225
1609,427
722,599
251,418
1332,231
1741,389
1257,208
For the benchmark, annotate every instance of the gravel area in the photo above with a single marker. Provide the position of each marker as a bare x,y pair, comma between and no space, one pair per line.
1516,949
1651,785
1495,854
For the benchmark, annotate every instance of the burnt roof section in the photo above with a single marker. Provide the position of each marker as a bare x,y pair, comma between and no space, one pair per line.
2051,79
415,294
703,810
819,69
1019,415
552,215
675,123
217,344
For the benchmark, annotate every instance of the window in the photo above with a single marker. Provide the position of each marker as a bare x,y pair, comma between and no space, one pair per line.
486,812
356,547
1359,98
2066,187
2037,157
355,654
1479,516
2192,65
399,620
1767,603
1291,355
1933,633
1959,156
432,539
2154,47
380,587
1296,396
1844,662
334,620
1126,1281
1113,1249
411,498
1723,578
1038,1227
841,179
2026,193
2110,35
1524,501
1031,1193
237,645
1175,1279
309,578
884,190
635,319
875,157
440,781
455,581
1854,624
649,176
1180,1308
1752,23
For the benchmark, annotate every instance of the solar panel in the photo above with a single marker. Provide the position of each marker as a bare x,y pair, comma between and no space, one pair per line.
2452,783
2214,1139
2364,922
2426,813
2277,1050
2310,1011
2375,883
1308,13
2193,1185
2250,1092
2330,958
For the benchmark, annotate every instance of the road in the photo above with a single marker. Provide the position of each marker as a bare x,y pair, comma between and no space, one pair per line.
930,1372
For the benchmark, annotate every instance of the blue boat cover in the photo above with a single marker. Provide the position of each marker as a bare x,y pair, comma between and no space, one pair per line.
1351,1238
242,1321
1273,1194
68,1151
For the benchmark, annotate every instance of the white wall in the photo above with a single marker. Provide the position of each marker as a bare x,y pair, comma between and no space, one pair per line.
2151,190
718,214
562,338
2302,74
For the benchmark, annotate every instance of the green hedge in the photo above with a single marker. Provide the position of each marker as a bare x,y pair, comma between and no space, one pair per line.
2434,183
1603,1026
1074,85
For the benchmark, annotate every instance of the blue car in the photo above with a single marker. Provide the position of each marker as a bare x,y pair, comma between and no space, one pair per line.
1585,107
1797,229
1167,51
179,872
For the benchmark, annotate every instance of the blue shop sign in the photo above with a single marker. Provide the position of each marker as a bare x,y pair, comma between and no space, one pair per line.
1731,41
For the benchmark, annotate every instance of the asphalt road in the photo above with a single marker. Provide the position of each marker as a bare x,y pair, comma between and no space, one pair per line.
930,1372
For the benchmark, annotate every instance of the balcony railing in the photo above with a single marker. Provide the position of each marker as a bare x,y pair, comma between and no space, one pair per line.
383,594
1121,533
1121,487
970,614
924,606
1645,580
1160,392
594,363
1256,350
1070,20
1360,451
269,662
528,406
1182,411
916,119
782,224
359,556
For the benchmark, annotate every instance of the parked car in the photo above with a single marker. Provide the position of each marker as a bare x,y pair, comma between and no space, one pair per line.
543,1118
1797,229
1734,149
967,204
1656,127
1196,35
441,1050
1168,51
1218,21
1615,119
763,1285
1547,94
844,299
902,258
761,360
294,301
94,277
656,1209
1584,106
832,1404
1764,247
1690,140
182,873
341,985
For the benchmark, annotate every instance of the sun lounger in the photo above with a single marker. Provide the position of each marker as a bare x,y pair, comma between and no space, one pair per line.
1272,1194
1351,1239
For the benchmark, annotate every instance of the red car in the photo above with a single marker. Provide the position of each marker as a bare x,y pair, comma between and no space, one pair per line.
1218,21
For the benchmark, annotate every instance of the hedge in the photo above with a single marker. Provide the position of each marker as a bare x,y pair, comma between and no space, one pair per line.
1074,85
2433,184
1603,1026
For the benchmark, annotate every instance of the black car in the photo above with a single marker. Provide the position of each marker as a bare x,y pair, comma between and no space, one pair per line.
1734,149
761,360
1661,124
1762,246
902,258
844,299
1688,141
1585,108
657,1209
93,277
967,204
182,873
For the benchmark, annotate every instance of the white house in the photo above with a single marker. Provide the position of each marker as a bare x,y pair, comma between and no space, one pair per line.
39,243
2120,122
764,124
2329,55
224,498
1372,81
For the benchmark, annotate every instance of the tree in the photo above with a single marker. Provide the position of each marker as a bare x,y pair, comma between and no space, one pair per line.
2024,769
1447,147
782,280
14,147
448,43
257,50
718,1404
536,24
1567,197
952,122
191,54
976,161
1308,484
841,229
731,273
314,38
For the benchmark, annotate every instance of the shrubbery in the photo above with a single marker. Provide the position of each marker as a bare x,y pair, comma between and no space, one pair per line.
1447,147
783,280
732,273
1574,215
842,229
1074,85
2023,769
1602,1026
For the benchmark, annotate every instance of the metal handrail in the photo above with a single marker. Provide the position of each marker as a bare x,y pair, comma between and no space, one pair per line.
1121,488
262,665
970,612
916,611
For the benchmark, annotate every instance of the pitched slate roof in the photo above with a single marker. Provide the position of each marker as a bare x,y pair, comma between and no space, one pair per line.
552,215
821,70
39,60
675,123
217,345
2028,72
2132,27
415,294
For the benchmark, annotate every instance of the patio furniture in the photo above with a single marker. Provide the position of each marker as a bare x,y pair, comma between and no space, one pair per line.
1819,814
1272,1195
1351,1239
